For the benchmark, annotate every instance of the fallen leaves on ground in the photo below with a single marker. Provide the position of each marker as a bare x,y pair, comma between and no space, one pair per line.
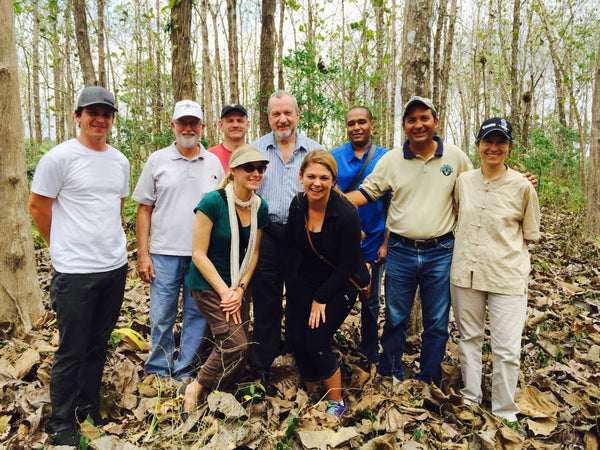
559,381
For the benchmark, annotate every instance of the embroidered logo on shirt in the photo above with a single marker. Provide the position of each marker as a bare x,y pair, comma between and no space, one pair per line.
446,170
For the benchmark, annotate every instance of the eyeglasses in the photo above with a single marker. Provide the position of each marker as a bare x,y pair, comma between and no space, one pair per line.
250,168
185,123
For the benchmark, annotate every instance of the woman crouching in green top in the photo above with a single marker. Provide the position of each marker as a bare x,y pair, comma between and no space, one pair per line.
226,238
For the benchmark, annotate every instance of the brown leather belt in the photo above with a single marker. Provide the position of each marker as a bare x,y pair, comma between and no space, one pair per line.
421,243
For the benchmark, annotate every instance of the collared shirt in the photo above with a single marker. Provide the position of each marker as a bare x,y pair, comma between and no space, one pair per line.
422,205
495,221
372,215
174,185
280,181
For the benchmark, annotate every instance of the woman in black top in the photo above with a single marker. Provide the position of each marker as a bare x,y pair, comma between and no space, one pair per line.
321,297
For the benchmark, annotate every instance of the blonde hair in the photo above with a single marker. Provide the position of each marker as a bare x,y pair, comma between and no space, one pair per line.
226,180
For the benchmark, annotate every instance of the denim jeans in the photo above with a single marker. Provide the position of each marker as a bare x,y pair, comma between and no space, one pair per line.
369,314
87,307
170,274
407,268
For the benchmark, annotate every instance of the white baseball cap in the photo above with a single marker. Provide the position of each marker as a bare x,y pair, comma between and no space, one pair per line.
187,108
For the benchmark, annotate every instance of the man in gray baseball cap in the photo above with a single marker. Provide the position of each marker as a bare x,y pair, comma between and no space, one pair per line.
77,194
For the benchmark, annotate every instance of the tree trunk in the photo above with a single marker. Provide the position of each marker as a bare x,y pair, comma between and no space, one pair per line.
234,94
416,49
592,219
83,43
393,77
20,296
206,78
101,64
181,70
515,103
446,65
68,97
267,50
37,110
220,94
280,80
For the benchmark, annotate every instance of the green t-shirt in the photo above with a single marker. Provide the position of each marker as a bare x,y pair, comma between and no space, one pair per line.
215,208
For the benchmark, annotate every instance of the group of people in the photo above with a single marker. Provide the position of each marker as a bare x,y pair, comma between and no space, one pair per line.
278,219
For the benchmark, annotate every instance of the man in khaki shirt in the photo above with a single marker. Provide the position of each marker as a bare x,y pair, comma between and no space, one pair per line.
421,217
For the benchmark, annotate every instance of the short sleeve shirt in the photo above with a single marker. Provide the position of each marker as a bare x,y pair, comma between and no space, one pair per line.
223,154
495,221
422,205
372,215
174,185
87,186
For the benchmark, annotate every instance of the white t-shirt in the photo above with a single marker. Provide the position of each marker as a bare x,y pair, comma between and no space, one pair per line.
174,185
86,235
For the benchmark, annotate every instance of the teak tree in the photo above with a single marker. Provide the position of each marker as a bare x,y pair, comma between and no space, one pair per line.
20,297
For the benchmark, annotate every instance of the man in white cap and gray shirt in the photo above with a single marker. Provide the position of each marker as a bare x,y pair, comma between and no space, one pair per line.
76,199
172,183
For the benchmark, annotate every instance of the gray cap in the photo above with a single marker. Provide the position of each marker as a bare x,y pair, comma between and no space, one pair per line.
246,154
416,99
96,95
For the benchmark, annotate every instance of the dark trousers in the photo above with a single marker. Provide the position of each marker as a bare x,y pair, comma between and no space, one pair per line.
314,354
267,295
87,307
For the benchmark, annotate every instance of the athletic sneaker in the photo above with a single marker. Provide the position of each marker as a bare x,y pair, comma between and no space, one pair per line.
337,409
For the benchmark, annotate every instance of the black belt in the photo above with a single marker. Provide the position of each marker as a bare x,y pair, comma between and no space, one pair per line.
421,243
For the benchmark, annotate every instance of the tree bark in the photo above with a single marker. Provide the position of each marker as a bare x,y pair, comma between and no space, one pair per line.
267,50
446,66
220,94
101,63
181,69
234,94
83,43
280,79
416,49
37,110
592,220
515,103
20,296
206,77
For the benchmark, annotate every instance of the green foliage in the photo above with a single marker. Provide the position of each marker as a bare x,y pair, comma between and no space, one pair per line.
553,154
287,443
309,80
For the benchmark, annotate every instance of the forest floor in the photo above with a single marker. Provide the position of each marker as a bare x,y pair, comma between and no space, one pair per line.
559,393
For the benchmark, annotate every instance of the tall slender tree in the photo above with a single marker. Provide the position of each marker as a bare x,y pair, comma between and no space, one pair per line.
267,50
20,297
234,94
592,219
181,50
83,43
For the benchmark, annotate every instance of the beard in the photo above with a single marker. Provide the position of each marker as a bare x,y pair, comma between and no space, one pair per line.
188,140
284,134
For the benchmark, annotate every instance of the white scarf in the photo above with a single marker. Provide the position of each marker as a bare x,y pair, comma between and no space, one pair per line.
237,270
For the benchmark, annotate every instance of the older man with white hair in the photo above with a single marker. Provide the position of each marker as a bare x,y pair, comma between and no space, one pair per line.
172,183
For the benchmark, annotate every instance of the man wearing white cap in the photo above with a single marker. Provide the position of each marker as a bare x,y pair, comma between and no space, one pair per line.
76,199
172,183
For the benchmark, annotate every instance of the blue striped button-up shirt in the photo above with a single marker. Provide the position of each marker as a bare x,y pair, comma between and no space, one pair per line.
280,182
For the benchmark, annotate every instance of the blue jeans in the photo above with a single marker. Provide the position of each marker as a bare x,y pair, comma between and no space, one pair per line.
407,268
170,274
369,314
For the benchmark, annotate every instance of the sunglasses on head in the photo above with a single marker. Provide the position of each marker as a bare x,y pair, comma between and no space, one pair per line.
250,168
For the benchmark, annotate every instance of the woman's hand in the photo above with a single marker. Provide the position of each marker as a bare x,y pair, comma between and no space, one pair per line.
231,301
317,312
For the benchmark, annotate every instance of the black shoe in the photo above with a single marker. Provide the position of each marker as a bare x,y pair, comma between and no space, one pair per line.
93,416
67,436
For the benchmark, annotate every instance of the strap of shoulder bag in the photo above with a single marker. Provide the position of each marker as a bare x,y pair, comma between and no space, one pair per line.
356,180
